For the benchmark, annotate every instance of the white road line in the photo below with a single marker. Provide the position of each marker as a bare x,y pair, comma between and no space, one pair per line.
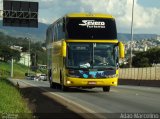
115,91
69,102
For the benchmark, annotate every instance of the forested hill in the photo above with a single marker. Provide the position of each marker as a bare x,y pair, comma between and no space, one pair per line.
36,48
38,34
127,36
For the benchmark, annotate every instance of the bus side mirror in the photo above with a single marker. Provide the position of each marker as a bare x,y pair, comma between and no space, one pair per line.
64,49
121,50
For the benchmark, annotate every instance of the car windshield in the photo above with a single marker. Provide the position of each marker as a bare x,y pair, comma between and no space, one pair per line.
91,55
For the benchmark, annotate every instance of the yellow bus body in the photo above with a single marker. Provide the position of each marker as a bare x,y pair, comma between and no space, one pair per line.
58,52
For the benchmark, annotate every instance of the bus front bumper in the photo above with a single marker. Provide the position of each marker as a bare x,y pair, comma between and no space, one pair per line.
82,82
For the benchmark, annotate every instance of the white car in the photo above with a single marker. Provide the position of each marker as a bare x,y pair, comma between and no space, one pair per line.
43,77
31,77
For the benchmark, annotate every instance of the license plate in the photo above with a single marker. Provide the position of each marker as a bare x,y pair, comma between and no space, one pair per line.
91,82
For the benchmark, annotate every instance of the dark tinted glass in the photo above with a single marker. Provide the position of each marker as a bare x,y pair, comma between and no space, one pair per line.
91,28
91,55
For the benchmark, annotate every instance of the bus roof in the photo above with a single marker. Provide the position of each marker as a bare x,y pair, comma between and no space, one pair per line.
98,15
87,15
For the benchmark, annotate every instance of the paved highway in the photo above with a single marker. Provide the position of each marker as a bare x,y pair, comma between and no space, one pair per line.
121,99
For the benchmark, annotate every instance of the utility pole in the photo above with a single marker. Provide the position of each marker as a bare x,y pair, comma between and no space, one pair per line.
35,59
12,67
29,56
131,34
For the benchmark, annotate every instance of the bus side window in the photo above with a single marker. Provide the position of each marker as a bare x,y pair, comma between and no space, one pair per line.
60,30
49,35
52,32
55,33
47,40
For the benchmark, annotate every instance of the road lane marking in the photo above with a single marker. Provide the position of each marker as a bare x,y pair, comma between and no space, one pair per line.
71,104
115,91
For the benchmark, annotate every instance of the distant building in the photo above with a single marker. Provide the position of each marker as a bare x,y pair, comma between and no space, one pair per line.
25,59
145,48
44,48
18,48
158,37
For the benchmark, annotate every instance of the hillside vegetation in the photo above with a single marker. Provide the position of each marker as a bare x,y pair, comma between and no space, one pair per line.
9,95
36,49
19,70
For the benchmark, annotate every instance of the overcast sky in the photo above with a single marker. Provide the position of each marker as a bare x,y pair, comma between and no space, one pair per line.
146,12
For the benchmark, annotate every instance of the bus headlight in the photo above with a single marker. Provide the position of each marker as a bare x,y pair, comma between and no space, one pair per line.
68,82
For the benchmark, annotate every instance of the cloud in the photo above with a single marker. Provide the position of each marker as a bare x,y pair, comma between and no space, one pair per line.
43,20
146,19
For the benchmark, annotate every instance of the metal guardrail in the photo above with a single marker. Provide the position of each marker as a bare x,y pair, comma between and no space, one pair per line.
146,73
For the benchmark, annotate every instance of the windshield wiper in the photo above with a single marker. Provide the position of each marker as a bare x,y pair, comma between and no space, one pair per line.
105,67
111,68
73,67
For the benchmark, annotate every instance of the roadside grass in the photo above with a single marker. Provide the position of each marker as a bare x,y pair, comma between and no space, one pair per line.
4,66
19,70
11,100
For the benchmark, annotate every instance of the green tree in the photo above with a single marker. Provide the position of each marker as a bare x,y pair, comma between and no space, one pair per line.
36,47
140,62
146,59
154,55
15,55
7,54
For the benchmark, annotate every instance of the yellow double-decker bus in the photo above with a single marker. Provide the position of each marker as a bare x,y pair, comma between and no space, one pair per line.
83,51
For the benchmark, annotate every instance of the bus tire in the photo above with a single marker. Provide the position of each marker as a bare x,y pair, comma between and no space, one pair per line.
106,88
50,78
52,85
63,87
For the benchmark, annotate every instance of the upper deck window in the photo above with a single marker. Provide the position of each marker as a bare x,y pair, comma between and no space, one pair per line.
91,28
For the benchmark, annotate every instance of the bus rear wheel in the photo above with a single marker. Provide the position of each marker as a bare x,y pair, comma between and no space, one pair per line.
63,87
53,85
106,88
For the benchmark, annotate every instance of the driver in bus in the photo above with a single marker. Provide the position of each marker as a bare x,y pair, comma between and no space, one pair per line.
85,62
110,56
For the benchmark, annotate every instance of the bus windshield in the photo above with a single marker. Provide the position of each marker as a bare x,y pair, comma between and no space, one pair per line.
91,55
91,28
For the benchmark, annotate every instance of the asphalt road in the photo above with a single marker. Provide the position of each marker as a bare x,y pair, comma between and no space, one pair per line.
121,99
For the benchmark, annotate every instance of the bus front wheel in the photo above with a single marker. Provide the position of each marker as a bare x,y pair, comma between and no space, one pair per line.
106,88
